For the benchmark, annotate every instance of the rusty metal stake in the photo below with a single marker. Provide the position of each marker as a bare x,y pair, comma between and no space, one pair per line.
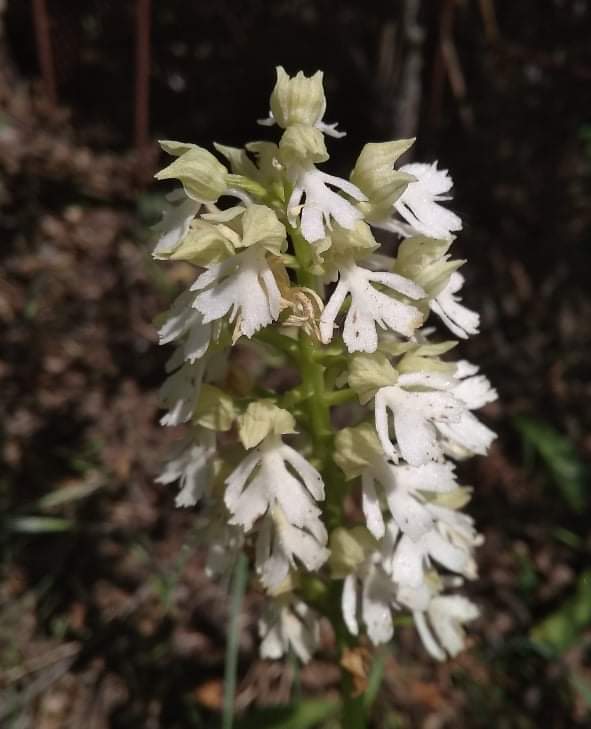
142,77
44,49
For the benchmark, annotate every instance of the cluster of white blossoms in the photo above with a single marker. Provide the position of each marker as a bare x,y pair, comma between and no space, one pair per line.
286,257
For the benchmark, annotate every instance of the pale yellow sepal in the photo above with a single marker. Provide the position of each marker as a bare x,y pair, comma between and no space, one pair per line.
240,162
301,145
396,348
267,162
285,588
204,245
297,100
261,225
456,499
215,410
369,372
348,549
224,216
413,362
425,261
356,448
255,179
176,149
424,357
263,418
342,245
374,174
203,177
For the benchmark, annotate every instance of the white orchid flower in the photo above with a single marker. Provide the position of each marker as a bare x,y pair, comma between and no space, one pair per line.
369,594
440,626
186,323
400,488
243,287
460,320
416,413
261,485
180,391
190,464
286,625
450,542
419,203
370,307
468,436
279,543
174,225
321,204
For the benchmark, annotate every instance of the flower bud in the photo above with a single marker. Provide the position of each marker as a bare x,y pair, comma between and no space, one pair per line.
425,261
375,175
263,418
204,244
201,174
302,145
343,244
369,372
297,100
261,225
348,549
356,448
215,410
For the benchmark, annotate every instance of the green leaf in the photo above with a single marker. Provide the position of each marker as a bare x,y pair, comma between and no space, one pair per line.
560,630
560,457
38,525
304,715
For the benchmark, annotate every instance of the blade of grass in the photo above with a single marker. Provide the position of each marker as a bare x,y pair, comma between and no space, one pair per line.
560,630
374,681
38,525
296,685
233,640
560,458
68,494
304,715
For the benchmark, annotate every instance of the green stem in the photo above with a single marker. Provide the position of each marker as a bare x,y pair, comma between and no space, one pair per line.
318,401
304,257
353,709
317,398
339,397
284,344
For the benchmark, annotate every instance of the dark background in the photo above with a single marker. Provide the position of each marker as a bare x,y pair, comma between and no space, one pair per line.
106,616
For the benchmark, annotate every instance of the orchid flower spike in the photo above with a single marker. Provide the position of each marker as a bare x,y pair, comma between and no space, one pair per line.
294,309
